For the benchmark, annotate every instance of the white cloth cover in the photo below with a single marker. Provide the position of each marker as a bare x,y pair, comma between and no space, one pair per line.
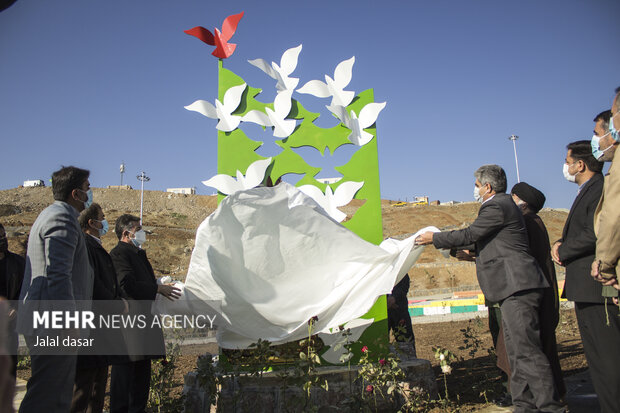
274,258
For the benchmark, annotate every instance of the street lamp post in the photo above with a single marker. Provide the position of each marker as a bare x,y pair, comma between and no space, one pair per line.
122,171
514,138
142,178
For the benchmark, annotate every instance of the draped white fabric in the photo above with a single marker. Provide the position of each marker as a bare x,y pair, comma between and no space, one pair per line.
274,259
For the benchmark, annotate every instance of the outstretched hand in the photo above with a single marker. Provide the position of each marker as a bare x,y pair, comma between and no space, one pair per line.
169,291
425,238
465,255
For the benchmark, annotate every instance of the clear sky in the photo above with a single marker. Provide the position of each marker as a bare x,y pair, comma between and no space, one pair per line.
93,83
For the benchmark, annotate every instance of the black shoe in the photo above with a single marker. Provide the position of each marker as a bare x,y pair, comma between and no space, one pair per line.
504,400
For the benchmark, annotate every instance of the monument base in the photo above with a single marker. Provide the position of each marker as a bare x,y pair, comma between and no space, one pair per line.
270,394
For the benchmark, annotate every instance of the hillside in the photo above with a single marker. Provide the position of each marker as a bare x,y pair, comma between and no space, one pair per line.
173,219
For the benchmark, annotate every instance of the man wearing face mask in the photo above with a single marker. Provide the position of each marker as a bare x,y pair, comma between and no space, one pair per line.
606,265
57,268
92,370
509,275
575,251
11,277
130,382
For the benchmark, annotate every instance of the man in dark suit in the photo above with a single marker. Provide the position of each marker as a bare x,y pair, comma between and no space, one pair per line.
91,375
509,275
11,277
576,250
130,382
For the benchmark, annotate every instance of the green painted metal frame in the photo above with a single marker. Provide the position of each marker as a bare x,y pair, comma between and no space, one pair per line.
236,151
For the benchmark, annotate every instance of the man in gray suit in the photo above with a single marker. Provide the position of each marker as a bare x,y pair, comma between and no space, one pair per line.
57,268
509,275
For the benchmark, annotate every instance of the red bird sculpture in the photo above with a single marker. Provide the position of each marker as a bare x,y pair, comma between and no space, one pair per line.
223,49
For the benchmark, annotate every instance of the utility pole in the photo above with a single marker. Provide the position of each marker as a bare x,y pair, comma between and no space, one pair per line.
122,171
142,178
514,138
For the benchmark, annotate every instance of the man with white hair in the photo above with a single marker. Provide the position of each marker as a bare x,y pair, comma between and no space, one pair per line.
509,275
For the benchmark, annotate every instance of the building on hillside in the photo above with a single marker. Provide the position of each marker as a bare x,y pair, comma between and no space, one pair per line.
435,203
33,183
186,191
119,187
328,181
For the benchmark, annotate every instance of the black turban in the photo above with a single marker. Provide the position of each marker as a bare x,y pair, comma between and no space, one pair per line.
534,198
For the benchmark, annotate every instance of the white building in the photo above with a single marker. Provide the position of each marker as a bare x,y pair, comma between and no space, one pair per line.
34,182
186,191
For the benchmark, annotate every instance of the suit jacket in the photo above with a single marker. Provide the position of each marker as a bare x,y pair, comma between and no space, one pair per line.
137,280
607,222
504,265
579,245
107,291
541,250
15,266
106,282
57,266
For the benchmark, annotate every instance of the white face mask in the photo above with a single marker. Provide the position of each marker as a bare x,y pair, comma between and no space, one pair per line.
477,195
139,238
567,175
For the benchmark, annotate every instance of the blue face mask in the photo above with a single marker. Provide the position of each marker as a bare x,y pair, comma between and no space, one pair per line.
596,148
613,130
104,228
89,198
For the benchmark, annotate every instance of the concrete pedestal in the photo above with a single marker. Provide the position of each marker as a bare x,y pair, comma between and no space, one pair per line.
268,393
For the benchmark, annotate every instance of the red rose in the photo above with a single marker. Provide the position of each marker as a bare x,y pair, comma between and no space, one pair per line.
370,388
382,362
364,349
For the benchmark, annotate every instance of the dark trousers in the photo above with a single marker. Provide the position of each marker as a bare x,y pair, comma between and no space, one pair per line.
89,390
129,386
495,327
531,380
51,382
548,318
399,321
601,344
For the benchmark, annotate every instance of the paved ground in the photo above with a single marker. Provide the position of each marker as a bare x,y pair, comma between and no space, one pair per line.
580,396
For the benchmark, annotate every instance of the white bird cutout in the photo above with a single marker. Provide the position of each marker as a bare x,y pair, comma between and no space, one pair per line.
254,175
282,127
330,201
222,111
368,116
333,87
281,73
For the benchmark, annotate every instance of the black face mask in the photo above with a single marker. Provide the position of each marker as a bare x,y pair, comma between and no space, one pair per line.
4,245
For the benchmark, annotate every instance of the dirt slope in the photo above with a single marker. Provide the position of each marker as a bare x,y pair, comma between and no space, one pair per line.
173,220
